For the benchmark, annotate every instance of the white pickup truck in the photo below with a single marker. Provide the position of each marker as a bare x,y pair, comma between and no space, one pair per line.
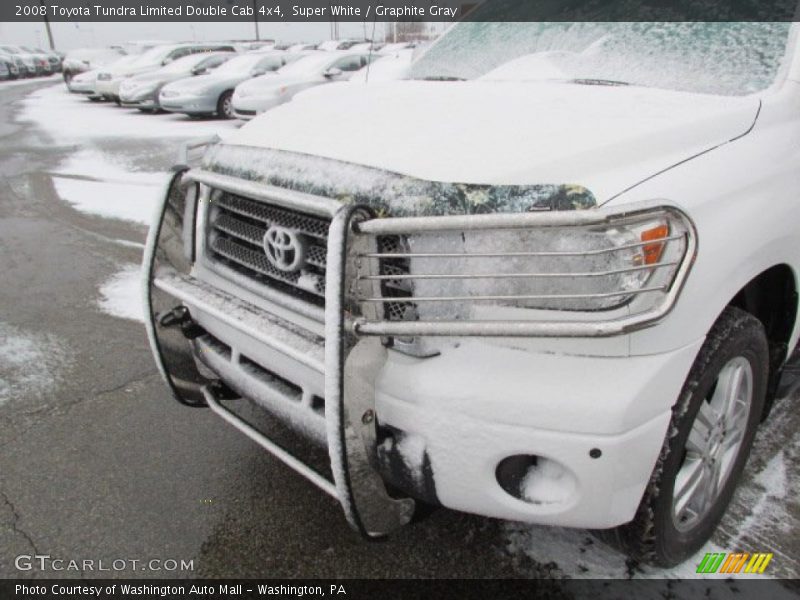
549,277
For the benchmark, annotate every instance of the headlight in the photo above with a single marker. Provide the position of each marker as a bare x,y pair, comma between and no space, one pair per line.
430,271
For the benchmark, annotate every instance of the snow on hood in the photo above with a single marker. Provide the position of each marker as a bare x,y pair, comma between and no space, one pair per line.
604,138
274,79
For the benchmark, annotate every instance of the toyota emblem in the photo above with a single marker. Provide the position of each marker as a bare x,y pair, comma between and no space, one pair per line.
285,249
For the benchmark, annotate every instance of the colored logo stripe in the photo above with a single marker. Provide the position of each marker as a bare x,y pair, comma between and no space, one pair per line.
721,562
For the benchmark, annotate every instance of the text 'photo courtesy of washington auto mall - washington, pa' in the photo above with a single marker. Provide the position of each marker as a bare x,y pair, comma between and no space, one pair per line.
403,298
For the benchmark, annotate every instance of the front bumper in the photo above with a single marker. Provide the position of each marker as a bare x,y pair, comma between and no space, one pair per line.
109,88
188,104
82,87
250,107
446,427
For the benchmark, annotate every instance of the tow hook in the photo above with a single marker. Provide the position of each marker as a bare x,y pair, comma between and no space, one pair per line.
221,391
181,317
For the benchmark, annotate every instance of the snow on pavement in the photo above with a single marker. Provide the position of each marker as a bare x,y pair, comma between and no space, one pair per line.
92,183
72,118
18,82
30,363
120,295
111,200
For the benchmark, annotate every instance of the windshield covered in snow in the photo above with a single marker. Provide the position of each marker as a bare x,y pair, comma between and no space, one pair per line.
243,65
309,66
712,58
186,63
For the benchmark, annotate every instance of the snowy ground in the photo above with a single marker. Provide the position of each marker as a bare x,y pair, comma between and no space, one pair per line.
73,118
30,363
19,82
102,180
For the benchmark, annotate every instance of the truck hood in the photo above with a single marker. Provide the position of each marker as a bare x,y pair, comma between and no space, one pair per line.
604,138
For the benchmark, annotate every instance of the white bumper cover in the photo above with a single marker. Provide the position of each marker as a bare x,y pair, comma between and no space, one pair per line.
475,405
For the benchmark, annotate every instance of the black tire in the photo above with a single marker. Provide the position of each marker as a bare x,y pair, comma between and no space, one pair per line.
225,106
653,536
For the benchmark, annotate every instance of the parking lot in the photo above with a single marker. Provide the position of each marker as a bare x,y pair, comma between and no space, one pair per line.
97,461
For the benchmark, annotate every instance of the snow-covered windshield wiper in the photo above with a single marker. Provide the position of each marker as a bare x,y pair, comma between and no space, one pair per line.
589,81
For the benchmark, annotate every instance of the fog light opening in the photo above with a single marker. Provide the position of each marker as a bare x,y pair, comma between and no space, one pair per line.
536,479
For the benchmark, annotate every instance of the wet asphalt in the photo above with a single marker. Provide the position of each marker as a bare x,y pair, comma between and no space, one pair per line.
106,466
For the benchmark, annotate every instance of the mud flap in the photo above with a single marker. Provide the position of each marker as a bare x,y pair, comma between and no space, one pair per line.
169,326
351,368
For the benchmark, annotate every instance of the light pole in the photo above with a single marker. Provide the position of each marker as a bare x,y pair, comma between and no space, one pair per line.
255,20
47,26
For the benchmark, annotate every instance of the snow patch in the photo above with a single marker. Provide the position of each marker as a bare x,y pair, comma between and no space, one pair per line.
120,295
30,364
19,82
110,200
121,194
69,118
547,482
412,450
769,514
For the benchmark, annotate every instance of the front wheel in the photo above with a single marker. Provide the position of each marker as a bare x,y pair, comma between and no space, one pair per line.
225,105
706,447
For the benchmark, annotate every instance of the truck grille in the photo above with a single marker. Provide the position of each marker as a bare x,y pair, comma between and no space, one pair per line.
237,226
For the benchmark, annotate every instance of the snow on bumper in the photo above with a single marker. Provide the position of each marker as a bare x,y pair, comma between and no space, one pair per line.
475,406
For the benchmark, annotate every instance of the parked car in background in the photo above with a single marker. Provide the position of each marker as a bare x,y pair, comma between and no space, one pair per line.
86,84
262,93
11,66
396,47
212,94
260,45
53,58
300,47
385,67
142,91
332,45
110,79
86,59
25,60
41,60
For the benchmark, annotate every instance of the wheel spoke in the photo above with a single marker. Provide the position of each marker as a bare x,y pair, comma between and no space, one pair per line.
737,418
706,418
686,484
733,438
697,443
714,483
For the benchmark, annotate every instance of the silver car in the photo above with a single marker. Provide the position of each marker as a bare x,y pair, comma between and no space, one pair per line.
263,93
26,62
142,91
211,94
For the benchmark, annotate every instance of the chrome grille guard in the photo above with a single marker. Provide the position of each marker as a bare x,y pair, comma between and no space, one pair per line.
356,332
